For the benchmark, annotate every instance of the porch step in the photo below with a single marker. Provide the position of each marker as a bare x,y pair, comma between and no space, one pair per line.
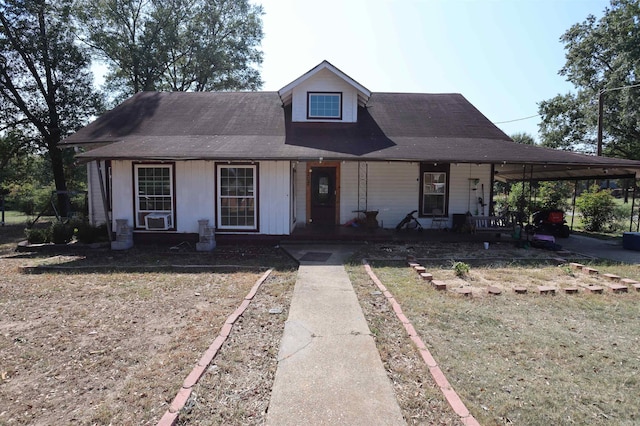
420,269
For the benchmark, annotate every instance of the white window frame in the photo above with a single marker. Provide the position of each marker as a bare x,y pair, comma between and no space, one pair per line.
139,220
310,116
253,195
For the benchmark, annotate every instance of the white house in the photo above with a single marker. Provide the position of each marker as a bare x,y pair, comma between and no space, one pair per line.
315,153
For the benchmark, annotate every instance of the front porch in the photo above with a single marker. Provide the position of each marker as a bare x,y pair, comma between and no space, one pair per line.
361,234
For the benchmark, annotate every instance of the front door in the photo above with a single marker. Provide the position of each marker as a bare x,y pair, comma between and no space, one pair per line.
323,196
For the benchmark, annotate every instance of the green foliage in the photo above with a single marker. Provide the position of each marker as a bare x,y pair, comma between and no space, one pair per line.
28,198
597,208
523,138
38,235
88,234
176,45
46,87
554,194
520,198
461,269
601,56
61,233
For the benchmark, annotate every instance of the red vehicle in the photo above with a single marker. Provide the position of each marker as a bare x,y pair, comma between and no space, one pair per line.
550,222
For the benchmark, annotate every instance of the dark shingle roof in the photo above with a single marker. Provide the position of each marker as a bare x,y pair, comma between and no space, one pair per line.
255,125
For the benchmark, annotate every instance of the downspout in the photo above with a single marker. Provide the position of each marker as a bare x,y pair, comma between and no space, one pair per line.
104,201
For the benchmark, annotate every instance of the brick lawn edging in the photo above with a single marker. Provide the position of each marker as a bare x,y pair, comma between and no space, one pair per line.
170,417
438,376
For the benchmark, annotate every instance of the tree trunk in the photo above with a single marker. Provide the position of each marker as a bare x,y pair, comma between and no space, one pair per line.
57,165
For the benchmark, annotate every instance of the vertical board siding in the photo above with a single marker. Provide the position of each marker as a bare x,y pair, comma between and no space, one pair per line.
325,81
195,194
122,189
274,197
462,199
392,190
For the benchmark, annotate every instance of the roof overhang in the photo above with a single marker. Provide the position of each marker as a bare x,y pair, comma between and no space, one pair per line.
286,92
548,171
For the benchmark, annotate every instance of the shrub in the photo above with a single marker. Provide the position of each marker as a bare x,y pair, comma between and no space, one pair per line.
61,233
597,208
87,233
461,269
38,235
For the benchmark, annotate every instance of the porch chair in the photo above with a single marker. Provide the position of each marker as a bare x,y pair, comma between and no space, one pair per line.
439,220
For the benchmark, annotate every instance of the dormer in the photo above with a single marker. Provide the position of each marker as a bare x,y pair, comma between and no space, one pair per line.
324,94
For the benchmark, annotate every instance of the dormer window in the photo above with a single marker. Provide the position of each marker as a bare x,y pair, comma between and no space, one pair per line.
324,106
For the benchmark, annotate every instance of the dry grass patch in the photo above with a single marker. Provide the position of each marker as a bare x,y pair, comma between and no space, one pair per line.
237,386
111,347
419,397
530,359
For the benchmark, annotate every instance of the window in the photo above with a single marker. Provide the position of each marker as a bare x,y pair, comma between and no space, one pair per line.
433,191
237,197
325,105
154,194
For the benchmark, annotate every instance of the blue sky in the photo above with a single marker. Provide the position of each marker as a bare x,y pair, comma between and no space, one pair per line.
502,55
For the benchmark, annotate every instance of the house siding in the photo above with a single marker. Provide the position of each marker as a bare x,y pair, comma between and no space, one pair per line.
275,198
462,198
393,190
122,190
195,194
325,81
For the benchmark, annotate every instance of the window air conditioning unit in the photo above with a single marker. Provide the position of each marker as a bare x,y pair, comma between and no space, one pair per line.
157,221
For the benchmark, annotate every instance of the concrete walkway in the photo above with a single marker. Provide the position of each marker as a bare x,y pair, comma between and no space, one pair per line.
604,249
329,370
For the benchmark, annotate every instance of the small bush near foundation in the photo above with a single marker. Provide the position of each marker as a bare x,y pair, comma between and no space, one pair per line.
38,235
88,234
61,233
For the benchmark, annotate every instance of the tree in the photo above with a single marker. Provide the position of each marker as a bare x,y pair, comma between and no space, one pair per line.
602,56
178,45
46,88
523,138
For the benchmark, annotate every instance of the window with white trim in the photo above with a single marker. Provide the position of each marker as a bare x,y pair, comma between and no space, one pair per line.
434,188
154,194
324,106
237,197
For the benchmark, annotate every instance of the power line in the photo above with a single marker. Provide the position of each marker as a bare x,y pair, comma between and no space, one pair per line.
518,119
